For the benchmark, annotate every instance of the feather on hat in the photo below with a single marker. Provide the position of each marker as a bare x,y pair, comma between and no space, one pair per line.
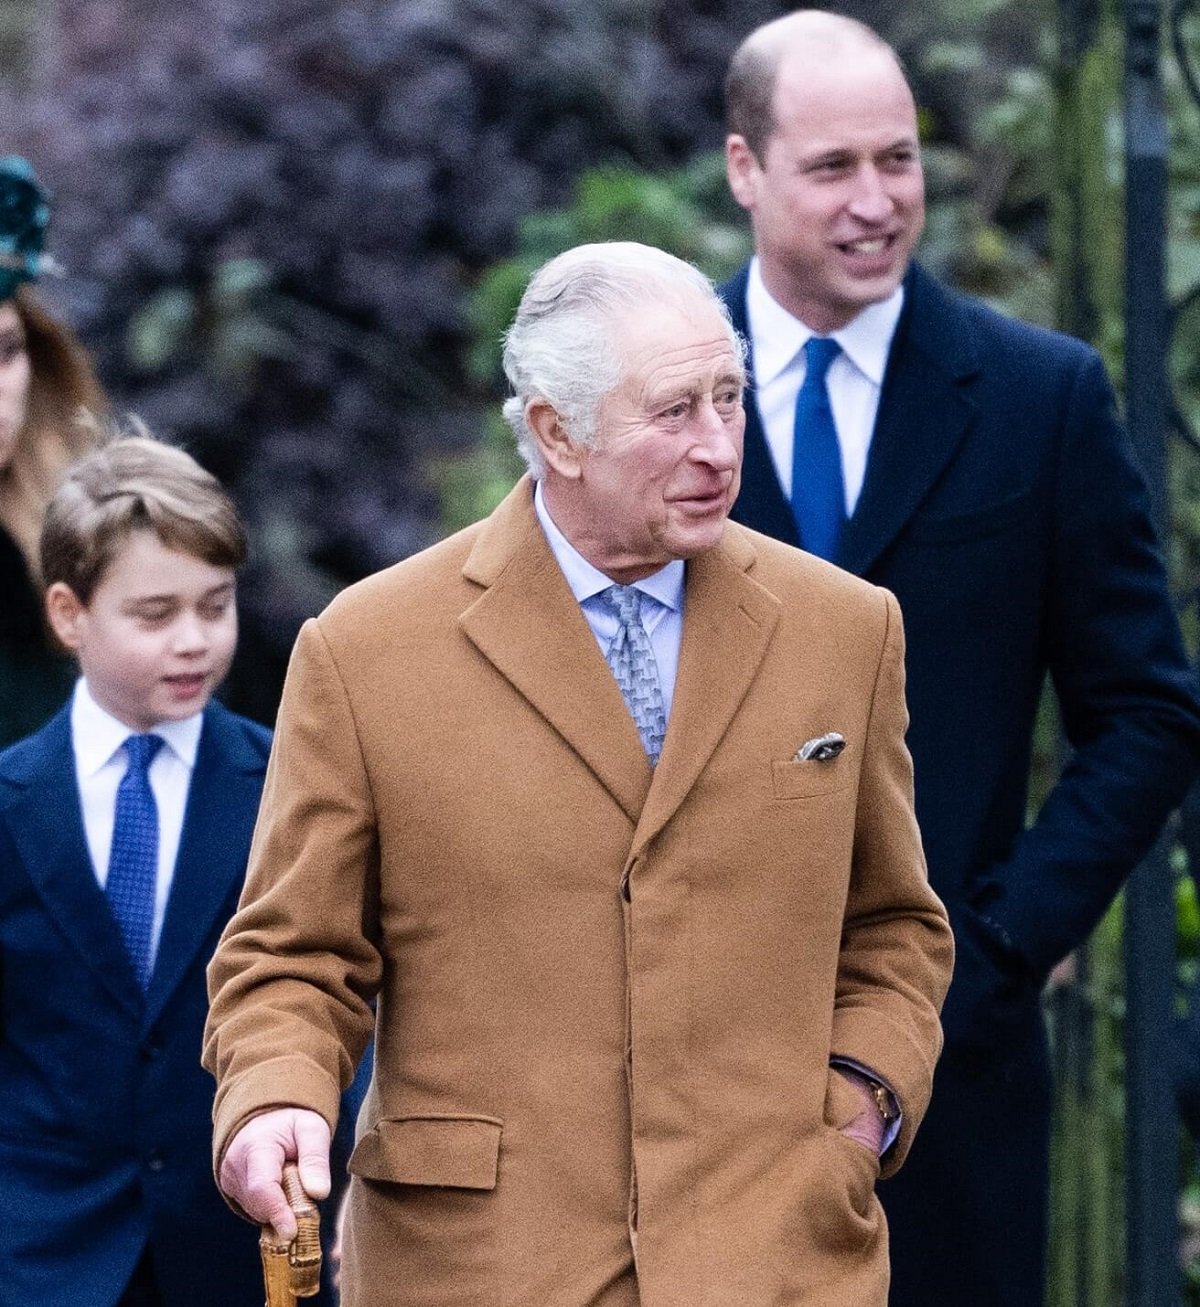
24,217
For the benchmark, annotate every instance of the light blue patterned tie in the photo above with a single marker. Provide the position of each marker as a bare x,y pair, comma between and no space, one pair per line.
133,859
818,493
632,661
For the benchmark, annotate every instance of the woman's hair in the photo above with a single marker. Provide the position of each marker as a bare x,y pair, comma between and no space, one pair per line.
62,389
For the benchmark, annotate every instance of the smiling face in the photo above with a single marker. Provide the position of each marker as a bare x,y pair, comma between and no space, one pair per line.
837,200
16,376
665,468
157,636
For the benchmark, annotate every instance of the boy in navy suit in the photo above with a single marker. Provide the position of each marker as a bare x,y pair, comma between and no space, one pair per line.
125,824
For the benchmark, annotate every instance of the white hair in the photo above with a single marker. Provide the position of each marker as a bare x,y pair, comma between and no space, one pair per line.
561,347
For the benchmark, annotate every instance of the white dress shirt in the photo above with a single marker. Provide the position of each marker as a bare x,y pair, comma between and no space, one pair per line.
662,601
855,378
98,740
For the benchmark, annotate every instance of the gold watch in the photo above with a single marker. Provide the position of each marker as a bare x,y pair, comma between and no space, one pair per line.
885,1103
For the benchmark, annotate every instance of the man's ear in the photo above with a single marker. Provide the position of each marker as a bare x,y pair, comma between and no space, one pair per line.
558,451
742,169
63,612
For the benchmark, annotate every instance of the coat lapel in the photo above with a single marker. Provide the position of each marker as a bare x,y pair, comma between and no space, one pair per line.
760,502
728,623
529,626
924,412
46,824
218,822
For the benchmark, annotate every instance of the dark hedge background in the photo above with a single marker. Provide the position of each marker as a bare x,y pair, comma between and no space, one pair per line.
273,217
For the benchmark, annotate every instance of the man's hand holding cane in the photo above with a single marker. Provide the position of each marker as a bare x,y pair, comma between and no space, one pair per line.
276,1164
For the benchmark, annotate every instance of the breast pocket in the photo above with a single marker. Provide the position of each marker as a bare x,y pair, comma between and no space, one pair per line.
810,778
977,524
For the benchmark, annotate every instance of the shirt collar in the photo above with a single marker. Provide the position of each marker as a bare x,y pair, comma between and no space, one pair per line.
586,581
779,337
97,734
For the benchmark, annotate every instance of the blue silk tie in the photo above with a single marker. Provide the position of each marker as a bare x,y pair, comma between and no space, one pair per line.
632,661
133,859
818,492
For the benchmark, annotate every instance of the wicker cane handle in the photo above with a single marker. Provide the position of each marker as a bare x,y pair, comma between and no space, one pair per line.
292,1270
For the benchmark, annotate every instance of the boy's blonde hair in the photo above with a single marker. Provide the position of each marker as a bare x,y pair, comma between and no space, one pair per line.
135,483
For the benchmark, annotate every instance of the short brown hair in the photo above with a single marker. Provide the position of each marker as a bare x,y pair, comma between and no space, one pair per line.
754,67
749,91
135,483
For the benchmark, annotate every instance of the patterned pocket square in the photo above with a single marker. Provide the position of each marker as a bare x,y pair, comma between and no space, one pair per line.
821,748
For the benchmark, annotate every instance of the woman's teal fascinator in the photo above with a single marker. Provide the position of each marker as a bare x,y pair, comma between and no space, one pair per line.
24,217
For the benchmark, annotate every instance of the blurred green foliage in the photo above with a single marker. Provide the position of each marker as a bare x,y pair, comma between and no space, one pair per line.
690,212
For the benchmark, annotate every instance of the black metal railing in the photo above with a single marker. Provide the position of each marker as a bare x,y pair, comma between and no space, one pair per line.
1152,1273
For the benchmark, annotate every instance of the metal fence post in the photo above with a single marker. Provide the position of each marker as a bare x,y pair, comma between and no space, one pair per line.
1151,1126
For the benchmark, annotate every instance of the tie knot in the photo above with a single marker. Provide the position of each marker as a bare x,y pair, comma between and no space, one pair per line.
141,750
819,353
625,601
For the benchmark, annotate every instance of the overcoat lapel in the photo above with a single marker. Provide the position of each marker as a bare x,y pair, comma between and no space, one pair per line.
528,625
761,496
727,626
924,412
46,824
218,821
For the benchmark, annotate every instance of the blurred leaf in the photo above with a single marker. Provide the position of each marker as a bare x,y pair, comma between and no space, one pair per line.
158,331
236,280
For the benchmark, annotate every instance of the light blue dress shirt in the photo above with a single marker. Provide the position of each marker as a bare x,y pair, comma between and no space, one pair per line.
662,603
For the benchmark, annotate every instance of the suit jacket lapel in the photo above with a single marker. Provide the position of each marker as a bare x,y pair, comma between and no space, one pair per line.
761,500
924,412
728,623
218,821
529,626
46,824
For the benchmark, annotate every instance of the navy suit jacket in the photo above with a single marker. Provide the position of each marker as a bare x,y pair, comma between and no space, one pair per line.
1002,507
105,1111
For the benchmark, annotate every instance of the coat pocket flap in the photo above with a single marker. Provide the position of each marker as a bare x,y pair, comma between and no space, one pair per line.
456,1152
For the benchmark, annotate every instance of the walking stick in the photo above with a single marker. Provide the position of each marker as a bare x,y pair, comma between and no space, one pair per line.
292,1270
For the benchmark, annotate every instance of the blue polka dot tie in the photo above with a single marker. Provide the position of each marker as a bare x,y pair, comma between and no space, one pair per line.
133,859
818,493
632,661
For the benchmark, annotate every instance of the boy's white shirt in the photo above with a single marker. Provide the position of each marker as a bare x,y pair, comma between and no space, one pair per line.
98,740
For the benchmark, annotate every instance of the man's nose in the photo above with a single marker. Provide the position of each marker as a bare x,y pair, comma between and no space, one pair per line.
720,446
871,199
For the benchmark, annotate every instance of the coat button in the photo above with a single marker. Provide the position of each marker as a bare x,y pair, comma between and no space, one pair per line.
155,1162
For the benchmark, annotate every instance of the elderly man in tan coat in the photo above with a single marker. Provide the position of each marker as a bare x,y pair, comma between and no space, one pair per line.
599,815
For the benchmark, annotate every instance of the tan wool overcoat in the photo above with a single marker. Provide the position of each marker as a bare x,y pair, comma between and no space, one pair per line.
606,996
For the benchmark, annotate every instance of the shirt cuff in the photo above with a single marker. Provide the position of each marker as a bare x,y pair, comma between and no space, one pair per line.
891,1128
